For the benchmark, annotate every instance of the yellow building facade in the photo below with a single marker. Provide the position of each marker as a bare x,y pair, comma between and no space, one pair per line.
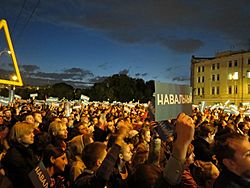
220,79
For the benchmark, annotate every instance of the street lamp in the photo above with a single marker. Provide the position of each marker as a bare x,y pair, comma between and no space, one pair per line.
12,88
5,51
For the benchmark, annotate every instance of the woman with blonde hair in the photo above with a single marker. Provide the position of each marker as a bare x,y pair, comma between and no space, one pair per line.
20,159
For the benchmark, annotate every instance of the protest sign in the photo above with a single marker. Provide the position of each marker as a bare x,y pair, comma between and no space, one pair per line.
39,176
172,99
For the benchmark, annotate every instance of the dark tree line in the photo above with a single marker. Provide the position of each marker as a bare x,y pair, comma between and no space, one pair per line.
118,87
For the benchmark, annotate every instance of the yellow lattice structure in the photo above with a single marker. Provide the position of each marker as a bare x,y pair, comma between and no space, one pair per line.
18,81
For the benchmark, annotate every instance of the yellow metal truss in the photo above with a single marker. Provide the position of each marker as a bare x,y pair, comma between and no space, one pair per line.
18,82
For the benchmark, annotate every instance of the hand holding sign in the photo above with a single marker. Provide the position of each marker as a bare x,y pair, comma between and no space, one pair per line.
185,134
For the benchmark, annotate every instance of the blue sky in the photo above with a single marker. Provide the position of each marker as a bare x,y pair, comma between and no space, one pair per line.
87,40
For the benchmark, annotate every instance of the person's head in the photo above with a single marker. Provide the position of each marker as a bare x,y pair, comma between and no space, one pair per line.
55,157
205,173
22,132
207,131
7,113
29,119
82,128
145,134
233,152
77,143
93,154
58,129
38,117
65,120
126,153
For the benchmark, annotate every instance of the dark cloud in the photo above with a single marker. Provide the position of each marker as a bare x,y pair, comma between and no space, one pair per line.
30,68
124,71
141,74
182,45
79,72
143,21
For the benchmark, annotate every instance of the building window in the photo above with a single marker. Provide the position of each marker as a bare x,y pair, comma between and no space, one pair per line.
235,89
203,91
203,79
230,64
198,91
248,61
235,63
229,89
218,90
213,77
248,89
203,68
218,77
218,66
248,74
199,69
199,80
213,66
213,90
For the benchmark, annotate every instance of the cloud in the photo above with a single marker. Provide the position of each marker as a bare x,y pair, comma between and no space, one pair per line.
124,71
144,74
30,68
103,66
181,78
97,79
182,45
143,21
78,71
73,76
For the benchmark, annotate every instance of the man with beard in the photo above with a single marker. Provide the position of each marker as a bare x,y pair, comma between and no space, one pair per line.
233,153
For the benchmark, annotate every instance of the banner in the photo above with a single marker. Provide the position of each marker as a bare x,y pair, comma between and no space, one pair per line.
172,99
39,176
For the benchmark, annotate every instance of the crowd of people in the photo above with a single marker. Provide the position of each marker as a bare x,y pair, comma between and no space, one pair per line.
120,146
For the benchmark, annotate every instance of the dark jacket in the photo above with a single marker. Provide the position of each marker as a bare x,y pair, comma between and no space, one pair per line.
202,149
17,163
89,179
227,179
